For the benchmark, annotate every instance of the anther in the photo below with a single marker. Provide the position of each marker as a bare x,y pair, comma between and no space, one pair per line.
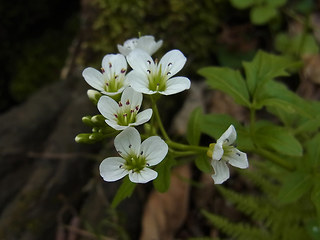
137,107
102,70
147,164
130,145
169,64
141,153
107,84
123,70
149,61
116,115
148,71
168,73
238,154
110,65
116,76
120,104
120,166
127,102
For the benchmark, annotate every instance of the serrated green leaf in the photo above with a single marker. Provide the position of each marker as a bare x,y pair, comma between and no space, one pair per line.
242,4
260,15
162,182
277,95
295,185
263,68
229,81
202,162
193,128
125,190
278,139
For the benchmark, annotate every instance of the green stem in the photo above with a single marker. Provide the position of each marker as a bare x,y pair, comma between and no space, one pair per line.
185,147
157,116
183,154
275,159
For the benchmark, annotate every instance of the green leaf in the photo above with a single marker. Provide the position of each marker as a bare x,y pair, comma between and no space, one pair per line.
126,189
193,129
202,162
229,81
242,4
313,151
264,68
277,138
260,15
214,125
162,182
277,95
295,185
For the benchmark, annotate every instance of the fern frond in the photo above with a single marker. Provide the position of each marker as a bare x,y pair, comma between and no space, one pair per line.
239,231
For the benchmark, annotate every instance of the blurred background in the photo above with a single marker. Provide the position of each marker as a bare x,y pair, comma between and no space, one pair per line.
50,186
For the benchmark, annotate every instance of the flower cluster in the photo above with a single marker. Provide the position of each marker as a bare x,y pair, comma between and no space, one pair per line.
119,94
121,100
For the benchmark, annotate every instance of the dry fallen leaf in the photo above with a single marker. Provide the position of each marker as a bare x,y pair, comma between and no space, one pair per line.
165,212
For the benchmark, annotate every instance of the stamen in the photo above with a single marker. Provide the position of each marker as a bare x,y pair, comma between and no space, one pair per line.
149,61
137,107
102,70
123,70
147,164
168,73
107,84
156,60
132,110
120,104
127,102
141,153
130,147
110,65
116,76
119,152
238,154
169,64
121,166
116,115
148,71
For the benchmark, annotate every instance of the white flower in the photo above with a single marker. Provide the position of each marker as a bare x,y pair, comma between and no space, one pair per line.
111,80
136,157
124,113
146,43
150,77
223,153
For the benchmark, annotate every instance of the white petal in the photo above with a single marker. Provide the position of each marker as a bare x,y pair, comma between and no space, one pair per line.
148,44
229,136
221,171
237,158
139,82
123,50
154,149
176,85
115,125
94,78
144,176
128,142
114,63
130,95
143,117
173,61
217,152
110,169
108,107
138,60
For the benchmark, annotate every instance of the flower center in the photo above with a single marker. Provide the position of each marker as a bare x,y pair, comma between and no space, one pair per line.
113,81
135,163
157,78
126,114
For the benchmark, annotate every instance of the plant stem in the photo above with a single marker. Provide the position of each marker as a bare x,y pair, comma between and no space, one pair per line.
185,147
157,116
